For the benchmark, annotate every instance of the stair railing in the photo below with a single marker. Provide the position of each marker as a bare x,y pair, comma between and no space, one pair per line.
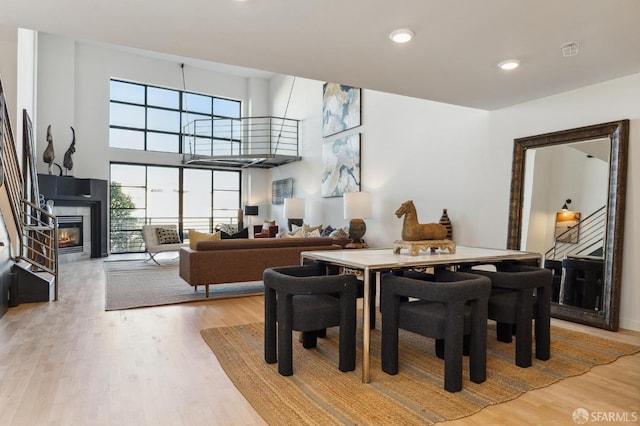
37,228
591,232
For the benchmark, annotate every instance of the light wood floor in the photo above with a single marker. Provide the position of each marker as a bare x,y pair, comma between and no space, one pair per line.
71,363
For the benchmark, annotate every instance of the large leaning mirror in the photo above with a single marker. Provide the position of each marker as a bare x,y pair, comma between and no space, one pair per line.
567,201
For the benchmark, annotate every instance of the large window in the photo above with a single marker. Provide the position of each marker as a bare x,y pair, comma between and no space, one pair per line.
189,198
151,118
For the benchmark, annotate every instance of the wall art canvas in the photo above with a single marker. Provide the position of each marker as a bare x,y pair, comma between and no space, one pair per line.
340,108
341,166
281,189
567,227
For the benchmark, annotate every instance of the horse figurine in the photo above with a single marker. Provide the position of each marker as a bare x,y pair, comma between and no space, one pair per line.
414,231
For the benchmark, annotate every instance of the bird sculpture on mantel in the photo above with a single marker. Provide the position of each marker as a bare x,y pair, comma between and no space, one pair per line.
49,155
68,159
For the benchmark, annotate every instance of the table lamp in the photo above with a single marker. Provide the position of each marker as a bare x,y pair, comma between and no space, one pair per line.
357,206
294,211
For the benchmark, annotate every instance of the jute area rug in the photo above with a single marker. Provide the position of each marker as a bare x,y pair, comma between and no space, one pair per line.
318,393
136,284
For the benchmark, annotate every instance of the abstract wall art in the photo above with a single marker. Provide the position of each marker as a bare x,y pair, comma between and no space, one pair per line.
340,108
341,166
281,189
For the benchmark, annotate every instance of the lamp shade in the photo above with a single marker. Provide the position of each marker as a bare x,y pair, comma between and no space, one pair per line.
357,205
251,210
294,208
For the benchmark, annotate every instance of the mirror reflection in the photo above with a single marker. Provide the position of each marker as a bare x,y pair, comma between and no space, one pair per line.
568,191
565,193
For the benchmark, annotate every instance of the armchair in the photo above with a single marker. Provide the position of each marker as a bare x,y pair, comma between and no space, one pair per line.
521,294
448,306
260,232
301,298
152,242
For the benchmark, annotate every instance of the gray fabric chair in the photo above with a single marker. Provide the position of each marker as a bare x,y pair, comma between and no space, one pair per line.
521,294
303,298
582,283
447,306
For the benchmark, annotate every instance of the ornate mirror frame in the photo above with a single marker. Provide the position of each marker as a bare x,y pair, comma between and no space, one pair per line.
618,134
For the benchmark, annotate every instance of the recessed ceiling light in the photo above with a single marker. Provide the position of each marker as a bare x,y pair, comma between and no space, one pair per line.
402,35
509,64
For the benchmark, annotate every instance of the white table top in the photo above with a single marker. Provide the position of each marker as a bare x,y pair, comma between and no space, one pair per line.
385,258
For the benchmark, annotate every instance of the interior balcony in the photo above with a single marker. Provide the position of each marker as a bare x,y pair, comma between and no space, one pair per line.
258,142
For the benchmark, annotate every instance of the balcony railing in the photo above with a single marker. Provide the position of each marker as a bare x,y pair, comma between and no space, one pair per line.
261,142
126,232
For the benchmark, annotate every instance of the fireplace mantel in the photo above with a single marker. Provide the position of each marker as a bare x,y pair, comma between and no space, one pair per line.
71,191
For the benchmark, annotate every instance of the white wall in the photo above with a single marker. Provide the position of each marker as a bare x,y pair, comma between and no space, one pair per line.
561,173
73,90
609,101
411,149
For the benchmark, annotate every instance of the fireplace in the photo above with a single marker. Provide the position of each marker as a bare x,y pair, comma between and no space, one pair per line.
70,236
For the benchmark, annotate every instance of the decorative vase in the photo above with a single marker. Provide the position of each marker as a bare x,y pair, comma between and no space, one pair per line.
444,221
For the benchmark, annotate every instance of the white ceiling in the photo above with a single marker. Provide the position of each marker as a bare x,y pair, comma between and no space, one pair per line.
452,58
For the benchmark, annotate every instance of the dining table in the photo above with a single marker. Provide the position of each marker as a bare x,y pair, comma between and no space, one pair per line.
364,262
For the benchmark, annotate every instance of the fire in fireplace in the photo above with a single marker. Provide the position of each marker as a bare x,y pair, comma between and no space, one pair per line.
69,234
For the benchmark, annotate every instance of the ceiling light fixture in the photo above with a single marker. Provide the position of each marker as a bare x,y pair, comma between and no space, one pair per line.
402,35
509,64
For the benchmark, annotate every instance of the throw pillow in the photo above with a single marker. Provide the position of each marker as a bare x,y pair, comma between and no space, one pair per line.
314,233
339,234
242,234
308,228
327,231
195,236
267,224
167,236
295,234
226,227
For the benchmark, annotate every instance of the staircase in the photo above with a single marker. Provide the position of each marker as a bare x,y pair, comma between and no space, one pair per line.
34,276
591,232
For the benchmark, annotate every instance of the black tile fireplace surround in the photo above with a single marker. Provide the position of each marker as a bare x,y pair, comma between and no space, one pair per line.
73,192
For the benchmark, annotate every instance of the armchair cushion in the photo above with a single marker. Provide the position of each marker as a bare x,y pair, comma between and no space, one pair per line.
167,236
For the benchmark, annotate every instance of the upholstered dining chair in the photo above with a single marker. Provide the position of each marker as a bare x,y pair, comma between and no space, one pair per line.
303,298
520,295
446,306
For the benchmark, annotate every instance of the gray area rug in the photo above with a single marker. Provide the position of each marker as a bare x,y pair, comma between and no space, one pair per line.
136,284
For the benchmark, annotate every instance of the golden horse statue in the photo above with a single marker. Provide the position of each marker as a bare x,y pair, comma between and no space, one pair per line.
414,231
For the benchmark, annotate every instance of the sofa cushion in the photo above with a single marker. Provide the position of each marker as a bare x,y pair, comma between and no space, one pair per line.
195,236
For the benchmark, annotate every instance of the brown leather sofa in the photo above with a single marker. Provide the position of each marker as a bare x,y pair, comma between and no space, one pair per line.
239,260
